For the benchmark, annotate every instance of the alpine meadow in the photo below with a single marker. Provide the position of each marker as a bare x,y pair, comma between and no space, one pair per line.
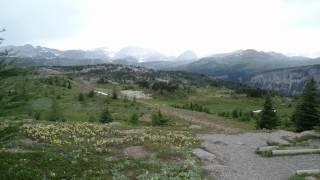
159,90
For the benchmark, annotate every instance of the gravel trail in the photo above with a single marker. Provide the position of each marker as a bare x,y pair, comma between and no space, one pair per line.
232,157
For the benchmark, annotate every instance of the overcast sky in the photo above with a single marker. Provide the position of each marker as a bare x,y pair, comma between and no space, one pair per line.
170,26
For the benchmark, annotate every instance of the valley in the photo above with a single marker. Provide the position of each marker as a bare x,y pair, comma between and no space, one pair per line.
159,90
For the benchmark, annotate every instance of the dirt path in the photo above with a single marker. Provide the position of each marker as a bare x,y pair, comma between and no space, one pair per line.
208,121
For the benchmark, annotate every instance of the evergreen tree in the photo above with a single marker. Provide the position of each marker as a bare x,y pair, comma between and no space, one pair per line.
268,118
81,97
134,100
114,93
64,84
4,64
158,119
2,53
134,118
69,85
105,116
56,113
306,115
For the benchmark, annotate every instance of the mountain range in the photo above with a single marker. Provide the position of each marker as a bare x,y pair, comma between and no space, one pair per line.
266,70
131,55
241,65
39,52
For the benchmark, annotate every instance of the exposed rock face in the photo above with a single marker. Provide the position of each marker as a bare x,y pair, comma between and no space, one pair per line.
288,81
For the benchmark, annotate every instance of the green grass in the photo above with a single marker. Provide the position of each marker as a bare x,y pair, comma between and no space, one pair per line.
31,96
219,100
296,177
38,165
8,133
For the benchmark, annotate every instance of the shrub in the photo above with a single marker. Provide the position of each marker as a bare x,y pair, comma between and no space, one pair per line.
91,94
158,119
236,113
245,116
37,115
224,114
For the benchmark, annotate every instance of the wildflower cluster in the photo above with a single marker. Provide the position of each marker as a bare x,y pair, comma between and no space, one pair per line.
168,137
3,126
100,136
86,135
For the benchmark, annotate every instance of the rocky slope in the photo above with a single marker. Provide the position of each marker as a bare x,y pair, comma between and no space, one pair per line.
288,80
